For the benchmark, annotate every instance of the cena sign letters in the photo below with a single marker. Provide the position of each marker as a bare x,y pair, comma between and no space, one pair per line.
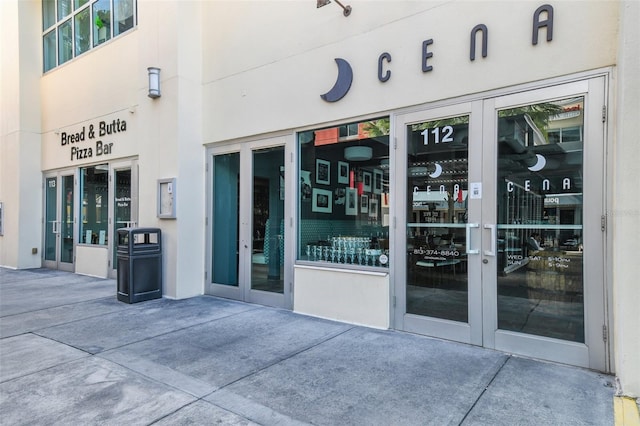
542,18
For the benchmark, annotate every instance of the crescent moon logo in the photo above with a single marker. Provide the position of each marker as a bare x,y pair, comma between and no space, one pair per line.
343,82
437,172
540,163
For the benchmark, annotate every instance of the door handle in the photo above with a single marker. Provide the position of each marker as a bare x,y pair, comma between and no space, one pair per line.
54,227
492,228
468,241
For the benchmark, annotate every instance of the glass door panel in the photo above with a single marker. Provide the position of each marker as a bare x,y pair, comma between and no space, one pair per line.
51,220
539,219
267,258
544,283
67,222
438,281
124,203
94,187
59,226
226,232
437,184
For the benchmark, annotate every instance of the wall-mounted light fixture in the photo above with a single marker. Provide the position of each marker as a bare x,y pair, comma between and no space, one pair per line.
154,82
346,10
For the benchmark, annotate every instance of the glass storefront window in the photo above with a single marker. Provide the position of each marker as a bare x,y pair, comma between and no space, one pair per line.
540,227
94,187
343,194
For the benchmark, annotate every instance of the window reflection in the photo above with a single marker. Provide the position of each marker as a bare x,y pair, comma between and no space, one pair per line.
343,187
94,187
540,158
437,202
267,260
226,231
102,21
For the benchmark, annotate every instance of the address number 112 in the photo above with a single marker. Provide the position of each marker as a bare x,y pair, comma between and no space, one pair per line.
438,134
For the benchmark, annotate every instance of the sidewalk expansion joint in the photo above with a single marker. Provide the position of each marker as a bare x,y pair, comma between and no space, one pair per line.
507,358
278,361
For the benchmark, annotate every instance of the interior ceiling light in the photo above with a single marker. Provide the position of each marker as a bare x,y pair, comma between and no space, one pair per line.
358,153
346,10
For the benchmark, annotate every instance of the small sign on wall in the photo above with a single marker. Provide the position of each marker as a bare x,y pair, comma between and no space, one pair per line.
166,198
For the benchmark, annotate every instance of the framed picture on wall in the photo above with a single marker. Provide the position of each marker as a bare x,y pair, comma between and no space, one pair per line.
377,181
323,170
305,185
373,208
351,203
322,201
343,172
366,181
364,204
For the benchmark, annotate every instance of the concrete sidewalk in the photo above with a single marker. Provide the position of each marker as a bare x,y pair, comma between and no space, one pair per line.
72,354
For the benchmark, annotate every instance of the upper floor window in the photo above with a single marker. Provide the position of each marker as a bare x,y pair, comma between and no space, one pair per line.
72,27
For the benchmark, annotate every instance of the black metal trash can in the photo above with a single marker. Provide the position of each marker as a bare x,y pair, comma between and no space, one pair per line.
139,264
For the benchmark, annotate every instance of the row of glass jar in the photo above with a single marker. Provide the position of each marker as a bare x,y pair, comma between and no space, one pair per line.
348,243
347,255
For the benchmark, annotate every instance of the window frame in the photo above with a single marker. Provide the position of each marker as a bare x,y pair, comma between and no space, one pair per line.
51,58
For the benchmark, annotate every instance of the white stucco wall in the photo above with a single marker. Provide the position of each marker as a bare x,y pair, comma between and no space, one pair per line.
624,214
271,77
20,178
356,297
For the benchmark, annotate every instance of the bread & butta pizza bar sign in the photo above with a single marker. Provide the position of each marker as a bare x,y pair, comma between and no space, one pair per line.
93,140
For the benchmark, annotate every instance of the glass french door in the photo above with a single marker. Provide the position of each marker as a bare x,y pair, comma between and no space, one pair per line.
502,235
59,220
247,223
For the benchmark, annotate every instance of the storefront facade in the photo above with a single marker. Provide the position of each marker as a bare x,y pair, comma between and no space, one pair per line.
453,170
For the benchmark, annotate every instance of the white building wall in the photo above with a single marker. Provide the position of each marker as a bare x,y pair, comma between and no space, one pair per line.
264,75
624,214
20,178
